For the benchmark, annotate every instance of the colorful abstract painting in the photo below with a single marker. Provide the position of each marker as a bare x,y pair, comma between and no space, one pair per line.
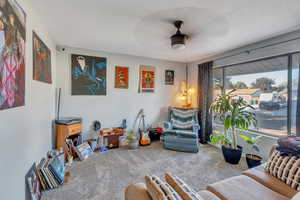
121,77
88,75
147,79
169,77
41,60
12,54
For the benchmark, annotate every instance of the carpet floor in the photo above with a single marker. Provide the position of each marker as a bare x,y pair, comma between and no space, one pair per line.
104,176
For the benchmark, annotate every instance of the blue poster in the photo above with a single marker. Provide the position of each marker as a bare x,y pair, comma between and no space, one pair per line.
88,75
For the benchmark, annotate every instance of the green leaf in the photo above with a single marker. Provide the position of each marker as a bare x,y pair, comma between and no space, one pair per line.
251,142
221,139
246,138
227,123
216,139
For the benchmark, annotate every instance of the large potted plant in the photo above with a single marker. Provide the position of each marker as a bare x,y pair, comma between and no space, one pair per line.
235,113
252,159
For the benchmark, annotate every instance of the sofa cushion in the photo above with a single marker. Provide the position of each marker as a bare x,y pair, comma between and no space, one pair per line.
207,195
159,190
181,134
285,168
184,191
269,181
137,191
243,188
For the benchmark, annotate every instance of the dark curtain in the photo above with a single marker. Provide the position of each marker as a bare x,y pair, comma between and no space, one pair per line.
205,92
298,107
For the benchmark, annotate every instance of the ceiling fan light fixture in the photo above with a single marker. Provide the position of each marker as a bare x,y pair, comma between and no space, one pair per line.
178,40
178,46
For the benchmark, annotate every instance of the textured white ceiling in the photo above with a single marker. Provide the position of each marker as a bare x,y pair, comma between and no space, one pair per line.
143,27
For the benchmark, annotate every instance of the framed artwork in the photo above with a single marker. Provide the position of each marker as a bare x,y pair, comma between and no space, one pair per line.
88,75
147,79
169,77
84,151
41,60
33,185
121,77
12,54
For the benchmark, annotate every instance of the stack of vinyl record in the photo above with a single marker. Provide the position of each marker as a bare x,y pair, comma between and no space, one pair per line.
51,172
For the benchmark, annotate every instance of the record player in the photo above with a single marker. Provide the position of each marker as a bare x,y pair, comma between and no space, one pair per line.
68,120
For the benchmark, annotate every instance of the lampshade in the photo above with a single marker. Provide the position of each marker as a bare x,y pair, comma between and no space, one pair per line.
178,46
178,41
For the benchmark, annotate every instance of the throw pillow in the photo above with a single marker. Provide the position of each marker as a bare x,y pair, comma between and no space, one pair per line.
184,191
160,190
285,168
182,119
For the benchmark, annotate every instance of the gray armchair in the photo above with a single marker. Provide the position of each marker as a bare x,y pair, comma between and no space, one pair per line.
181,130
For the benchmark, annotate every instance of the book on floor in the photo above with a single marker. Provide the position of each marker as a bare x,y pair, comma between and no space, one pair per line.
51,172
57,167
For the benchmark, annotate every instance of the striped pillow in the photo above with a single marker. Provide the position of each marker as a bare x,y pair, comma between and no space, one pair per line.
184,191
182,119
160,190
285,168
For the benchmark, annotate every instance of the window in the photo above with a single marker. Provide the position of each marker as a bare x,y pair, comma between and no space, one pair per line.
217,81
266,85
218,75
295,107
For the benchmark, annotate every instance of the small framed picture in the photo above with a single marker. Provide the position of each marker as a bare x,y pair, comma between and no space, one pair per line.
84,151
169,77
147,79
121,77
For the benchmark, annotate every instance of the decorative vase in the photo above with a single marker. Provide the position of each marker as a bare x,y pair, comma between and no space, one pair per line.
133,144
232,156
253,160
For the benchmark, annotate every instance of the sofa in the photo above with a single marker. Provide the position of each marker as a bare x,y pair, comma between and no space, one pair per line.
253,184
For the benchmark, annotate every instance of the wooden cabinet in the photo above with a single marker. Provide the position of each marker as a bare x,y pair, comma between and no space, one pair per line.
113,141
74,129
112,135
64,131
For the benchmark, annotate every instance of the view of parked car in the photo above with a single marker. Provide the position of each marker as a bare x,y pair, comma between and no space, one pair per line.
271,101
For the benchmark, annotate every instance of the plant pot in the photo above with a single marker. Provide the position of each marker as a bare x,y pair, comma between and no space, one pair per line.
232,156
253,160
134,144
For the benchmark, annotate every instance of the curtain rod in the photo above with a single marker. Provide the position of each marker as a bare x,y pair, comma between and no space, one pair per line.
254,49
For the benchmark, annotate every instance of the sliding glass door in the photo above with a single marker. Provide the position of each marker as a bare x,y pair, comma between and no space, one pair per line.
295,101
270,86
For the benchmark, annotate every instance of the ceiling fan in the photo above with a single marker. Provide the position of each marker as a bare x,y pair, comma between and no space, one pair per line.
178,40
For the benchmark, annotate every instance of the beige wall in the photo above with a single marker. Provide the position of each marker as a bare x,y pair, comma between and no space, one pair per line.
119,104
